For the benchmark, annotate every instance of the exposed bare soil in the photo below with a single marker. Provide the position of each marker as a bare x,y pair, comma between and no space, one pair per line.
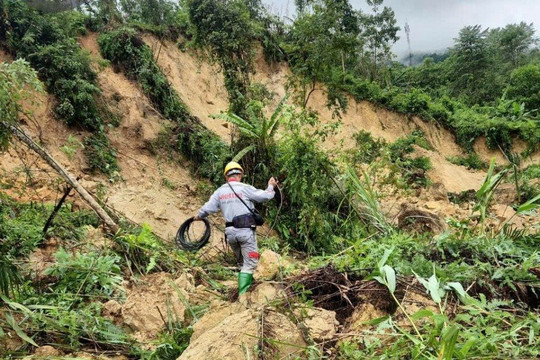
153,190
199,84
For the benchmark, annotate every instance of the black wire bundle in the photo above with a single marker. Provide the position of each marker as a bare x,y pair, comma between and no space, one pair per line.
184,240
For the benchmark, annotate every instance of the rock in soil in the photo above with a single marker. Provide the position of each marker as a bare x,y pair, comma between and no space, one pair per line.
320,323
237,336
47,350
269,265
149,305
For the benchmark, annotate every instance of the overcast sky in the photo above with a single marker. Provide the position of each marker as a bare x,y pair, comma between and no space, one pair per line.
434,23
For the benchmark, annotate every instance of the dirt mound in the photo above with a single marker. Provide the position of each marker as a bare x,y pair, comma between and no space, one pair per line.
217,312
321,324
4,57
236,336
41,259
199,84
157,299
270,263
454,177
362,314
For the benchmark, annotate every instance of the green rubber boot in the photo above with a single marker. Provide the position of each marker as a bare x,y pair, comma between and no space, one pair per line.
244,282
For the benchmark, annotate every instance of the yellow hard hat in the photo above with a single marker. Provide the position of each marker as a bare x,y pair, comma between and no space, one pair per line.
232,166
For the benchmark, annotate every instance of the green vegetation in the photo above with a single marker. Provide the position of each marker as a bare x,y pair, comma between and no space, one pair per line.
142,252
49,43
87,273
63,306
487,264
316,211
530,182
367,149
329,211
486,71
15,81
471,161
413,170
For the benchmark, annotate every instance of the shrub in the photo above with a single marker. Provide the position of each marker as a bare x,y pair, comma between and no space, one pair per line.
367,148
143,251
530,181
315,211
89,273
17,80
172,344
413,170
49,43
100,154
525,86
66,71
21,225
471,161
70,328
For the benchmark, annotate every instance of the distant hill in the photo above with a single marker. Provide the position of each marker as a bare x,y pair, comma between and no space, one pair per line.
418,58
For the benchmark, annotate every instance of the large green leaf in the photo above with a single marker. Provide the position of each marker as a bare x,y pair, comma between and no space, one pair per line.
434,289
448,342
15,326
529,205
242,153
390,276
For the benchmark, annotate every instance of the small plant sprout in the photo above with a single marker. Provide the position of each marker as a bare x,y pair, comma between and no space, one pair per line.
387,277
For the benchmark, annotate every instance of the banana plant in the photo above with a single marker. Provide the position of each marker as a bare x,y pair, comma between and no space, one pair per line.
259,128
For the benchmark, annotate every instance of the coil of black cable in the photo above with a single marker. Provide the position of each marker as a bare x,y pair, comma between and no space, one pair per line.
183,239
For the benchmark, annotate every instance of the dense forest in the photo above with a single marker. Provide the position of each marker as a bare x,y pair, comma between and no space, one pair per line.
482,276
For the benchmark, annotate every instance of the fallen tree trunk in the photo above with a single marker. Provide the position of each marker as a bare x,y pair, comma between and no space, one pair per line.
70,179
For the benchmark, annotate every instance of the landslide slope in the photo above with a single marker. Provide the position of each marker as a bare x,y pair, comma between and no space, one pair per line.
152,190
148,188
201,87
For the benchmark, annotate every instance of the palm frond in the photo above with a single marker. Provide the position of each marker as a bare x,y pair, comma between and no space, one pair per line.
276,119
484,194
243,152
367,196
244,126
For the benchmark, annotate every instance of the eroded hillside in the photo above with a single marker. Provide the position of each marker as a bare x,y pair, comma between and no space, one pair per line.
152,189
201,85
